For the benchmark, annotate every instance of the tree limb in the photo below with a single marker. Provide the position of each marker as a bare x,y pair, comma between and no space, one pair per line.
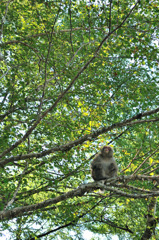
80,191
151,220
88,137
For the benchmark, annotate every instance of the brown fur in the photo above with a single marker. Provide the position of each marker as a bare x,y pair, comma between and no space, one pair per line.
104,165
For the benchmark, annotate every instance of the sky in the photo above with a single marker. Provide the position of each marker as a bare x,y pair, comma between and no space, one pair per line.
88,235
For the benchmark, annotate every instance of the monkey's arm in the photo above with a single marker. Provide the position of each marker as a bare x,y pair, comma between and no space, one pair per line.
113,168
97,171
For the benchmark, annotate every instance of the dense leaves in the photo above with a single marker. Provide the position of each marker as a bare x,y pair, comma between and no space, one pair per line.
77,75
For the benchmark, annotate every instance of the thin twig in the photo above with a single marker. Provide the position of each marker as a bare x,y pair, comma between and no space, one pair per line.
132,160
145,161
44,114
16,191
110,9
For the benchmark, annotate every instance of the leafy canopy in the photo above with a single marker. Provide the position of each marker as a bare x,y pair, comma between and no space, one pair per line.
77,75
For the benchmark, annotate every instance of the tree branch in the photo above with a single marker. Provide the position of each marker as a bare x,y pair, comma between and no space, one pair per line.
112,224
110,10
16,191
145,161
80,191
151,220
67,224
88,137
44,114
48,32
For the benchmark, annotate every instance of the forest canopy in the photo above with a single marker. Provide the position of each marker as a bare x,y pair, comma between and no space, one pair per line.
76,76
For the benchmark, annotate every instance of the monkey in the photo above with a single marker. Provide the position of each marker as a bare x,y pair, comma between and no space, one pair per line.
104,165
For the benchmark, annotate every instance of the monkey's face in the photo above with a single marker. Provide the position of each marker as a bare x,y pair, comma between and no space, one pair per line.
107,149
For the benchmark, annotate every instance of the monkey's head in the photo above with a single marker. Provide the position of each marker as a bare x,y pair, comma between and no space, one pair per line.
107,151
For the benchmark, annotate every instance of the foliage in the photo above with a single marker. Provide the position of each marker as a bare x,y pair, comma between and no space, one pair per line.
77,75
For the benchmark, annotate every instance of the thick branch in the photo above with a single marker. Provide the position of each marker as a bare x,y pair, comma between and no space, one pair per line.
88,137
151,220
80,191
20,210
